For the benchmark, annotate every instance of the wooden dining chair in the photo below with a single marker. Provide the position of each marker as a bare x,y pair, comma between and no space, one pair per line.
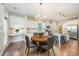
29,45
49,45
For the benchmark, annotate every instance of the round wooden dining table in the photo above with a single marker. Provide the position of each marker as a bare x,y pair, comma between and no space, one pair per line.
40,40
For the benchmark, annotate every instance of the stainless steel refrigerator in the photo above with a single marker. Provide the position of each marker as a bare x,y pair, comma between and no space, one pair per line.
73,32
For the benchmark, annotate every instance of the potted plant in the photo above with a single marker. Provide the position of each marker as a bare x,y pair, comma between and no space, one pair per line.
41,34
17,30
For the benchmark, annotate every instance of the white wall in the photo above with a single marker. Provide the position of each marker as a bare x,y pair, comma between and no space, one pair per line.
5,22
32,26
0,29
3,33
16,22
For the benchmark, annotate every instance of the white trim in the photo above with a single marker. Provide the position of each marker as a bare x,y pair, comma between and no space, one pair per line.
5,47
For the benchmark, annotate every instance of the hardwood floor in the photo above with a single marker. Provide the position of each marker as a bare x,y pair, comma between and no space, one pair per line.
15,49
69,49
18,49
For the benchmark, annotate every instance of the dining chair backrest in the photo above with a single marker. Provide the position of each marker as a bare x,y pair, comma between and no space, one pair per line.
50,42
35,33
27,41
50,33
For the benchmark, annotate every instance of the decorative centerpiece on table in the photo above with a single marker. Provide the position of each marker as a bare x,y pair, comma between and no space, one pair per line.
41,34
17,30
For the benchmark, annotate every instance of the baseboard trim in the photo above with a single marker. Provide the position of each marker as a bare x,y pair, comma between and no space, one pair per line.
5,48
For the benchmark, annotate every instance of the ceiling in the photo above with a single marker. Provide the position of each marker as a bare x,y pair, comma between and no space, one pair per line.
51,11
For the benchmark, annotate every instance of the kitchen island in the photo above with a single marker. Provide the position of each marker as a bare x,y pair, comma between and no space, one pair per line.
59,37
